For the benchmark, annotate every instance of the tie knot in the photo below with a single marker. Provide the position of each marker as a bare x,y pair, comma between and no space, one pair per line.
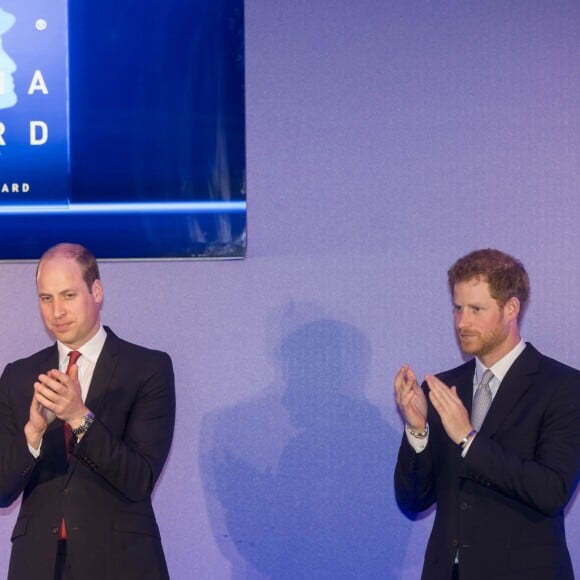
73,357
486,378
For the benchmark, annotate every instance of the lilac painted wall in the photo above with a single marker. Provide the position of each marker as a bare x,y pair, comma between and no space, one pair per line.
385,139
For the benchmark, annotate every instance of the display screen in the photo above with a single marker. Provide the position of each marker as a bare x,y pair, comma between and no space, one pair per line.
122,127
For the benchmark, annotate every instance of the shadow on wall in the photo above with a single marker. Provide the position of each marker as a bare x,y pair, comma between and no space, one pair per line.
298,480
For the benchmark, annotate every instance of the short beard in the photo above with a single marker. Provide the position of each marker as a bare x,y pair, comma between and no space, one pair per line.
486,344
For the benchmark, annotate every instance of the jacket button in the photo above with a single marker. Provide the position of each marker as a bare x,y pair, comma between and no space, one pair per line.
55,531
464,506
66,491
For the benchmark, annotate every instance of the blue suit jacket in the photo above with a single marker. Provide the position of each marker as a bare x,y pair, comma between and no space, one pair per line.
104,492
501,507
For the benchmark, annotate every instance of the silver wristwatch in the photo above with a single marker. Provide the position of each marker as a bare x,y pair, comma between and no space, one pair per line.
85,424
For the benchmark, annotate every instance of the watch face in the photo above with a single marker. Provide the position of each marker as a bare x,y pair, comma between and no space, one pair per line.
85,424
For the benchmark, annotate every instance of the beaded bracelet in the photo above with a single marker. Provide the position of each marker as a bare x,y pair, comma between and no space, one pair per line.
419,434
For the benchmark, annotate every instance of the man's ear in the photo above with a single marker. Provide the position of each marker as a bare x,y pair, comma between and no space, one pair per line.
97,292
511,308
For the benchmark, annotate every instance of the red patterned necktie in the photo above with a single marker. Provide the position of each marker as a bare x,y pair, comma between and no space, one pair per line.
73,358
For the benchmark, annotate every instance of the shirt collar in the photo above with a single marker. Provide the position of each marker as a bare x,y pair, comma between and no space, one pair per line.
90,350
502,366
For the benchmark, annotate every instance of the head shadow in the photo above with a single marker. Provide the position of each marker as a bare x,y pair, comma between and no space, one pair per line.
321,506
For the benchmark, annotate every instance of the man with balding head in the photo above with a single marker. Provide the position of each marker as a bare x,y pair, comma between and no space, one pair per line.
85,428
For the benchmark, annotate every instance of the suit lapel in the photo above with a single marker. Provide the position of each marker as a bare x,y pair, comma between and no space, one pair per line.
517,381
51,362
52,358
53,442
464,385
462,379
103,374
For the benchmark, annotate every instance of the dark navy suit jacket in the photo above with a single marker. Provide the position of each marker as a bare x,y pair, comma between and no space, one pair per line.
104,492
501,507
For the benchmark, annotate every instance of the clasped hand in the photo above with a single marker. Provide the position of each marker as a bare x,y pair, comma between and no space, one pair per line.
59,393
412,403
56,394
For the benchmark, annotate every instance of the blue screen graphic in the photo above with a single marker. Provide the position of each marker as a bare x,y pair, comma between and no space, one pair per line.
33,104
122,127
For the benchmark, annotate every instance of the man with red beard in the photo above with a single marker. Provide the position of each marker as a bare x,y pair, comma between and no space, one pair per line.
495,442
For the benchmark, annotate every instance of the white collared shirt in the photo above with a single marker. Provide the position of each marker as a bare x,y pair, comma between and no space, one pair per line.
499,369
90,352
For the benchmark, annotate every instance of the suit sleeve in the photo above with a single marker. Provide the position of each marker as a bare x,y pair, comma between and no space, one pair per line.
16,462
132,461
414,483
414,476
544,475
